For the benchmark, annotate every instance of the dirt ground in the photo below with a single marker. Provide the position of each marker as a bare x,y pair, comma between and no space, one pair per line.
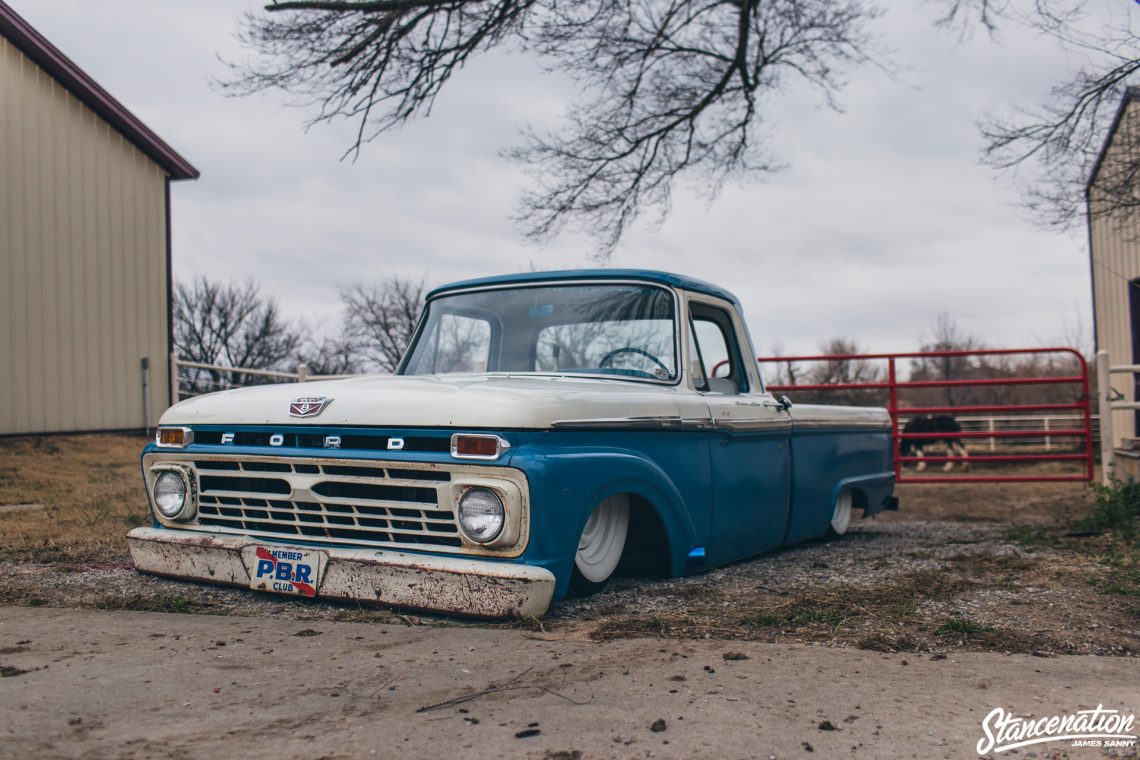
133,685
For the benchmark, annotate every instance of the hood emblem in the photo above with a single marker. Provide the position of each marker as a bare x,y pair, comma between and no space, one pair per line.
308,406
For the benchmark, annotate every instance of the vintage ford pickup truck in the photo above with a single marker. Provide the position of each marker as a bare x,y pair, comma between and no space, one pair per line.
542,429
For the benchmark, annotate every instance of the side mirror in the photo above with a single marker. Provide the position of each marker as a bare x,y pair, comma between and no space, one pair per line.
785,402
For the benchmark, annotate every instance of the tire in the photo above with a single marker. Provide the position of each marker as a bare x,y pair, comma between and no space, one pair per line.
600,546
841,515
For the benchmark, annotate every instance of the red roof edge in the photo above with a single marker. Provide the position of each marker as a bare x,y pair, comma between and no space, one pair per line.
61,68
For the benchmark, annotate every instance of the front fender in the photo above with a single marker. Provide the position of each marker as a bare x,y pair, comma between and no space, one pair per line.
568,482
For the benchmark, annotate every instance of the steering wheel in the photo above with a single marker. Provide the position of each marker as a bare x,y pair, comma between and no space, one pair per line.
633,350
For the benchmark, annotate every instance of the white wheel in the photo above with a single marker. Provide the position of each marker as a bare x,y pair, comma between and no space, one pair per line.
603,540
841,517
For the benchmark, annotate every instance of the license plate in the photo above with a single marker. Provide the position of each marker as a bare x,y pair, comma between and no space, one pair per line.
284,569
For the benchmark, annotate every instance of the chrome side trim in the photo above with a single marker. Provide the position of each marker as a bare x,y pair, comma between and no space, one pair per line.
841,424
773,423
701,423
635,423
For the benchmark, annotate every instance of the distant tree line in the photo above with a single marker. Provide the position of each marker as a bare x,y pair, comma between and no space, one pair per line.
235,325
945,335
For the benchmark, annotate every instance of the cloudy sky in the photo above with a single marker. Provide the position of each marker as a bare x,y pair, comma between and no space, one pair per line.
882,219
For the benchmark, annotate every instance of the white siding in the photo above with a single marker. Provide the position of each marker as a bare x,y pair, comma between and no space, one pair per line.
82,263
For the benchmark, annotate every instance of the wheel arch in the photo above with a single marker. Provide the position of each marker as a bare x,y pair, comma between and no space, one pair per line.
572,482
658,521
867,491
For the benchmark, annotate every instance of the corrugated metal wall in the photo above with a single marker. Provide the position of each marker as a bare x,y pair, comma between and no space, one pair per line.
82,263
1115,244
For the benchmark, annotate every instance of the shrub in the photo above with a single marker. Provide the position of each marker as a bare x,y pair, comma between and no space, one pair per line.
1117,510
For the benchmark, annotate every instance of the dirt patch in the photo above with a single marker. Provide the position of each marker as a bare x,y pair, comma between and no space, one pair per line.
1007,503
7,671
253,688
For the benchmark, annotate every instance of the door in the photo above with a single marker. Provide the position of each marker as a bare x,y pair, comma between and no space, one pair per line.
750,453
1134,325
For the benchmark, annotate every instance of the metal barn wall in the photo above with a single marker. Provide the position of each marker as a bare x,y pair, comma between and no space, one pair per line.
83,281
1115,250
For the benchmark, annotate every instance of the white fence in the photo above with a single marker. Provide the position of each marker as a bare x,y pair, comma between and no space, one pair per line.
301,375
1044,423
1110,400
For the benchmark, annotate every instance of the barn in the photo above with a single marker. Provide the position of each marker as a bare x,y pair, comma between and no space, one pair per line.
1114,249
85,276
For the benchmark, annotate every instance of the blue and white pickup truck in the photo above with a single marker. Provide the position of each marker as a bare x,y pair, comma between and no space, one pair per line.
542,430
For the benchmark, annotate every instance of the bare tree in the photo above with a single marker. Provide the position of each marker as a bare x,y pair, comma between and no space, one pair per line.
381,319
330,355
1061,138
674,86
230,325
782,373
946,335
845,371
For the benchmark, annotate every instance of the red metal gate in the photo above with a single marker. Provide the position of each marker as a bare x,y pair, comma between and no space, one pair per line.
1081,406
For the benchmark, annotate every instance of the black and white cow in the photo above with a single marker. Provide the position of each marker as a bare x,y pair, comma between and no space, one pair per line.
940,423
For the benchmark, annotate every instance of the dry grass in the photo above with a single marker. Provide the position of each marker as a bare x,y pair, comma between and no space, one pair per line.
1011,503
91,492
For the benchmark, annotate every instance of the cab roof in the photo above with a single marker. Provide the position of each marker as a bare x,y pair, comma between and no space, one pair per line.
537,278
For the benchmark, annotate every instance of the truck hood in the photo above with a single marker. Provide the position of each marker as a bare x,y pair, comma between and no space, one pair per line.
451,401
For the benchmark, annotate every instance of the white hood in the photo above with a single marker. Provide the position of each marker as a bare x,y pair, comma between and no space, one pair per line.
460,401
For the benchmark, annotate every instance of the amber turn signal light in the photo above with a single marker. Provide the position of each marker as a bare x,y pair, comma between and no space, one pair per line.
173,437
465,446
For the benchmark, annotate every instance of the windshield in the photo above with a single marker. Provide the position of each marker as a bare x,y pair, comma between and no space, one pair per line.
619,330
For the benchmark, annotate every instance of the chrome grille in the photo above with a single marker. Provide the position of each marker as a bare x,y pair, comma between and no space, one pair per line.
343,502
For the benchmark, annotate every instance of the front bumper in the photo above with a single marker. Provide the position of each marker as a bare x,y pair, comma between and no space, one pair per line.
454,585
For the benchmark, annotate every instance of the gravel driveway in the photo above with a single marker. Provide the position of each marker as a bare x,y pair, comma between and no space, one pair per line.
889,585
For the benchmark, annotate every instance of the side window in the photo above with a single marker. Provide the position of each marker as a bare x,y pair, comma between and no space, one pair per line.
460,344
714,348
717,350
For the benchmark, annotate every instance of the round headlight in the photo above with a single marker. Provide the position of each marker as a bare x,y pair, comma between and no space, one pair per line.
481,514
169,494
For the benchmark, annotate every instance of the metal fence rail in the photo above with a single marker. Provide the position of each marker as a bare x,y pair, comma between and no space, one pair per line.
1079,432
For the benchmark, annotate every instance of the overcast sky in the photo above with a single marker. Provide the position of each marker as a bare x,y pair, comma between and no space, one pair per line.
882,219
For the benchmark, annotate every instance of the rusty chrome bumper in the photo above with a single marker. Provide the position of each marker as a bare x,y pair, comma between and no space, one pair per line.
455,585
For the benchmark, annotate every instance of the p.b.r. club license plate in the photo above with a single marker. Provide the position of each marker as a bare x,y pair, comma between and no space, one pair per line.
284,569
